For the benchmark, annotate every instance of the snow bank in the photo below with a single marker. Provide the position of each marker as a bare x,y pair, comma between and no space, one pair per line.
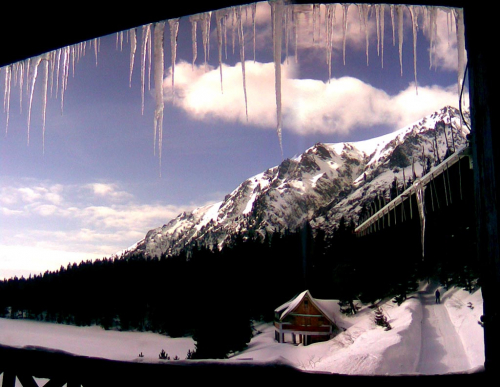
465,310
363,348
400,348
92,341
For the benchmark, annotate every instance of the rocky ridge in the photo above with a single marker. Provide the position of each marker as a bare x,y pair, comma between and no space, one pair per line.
320,186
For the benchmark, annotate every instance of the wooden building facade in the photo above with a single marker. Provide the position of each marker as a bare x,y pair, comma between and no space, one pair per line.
306,319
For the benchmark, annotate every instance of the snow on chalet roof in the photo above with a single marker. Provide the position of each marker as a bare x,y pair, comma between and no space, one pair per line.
327,307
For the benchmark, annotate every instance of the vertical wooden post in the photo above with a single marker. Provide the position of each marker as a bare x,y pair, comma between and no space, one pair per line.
9,379
482,69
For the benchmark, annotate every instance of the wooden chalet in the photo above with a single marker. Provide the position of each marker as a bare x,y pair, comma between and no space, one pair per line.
310,319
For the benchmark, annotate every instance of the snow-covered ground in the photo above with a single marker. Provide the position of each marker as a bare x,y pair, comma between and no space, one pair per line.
367,349
426,338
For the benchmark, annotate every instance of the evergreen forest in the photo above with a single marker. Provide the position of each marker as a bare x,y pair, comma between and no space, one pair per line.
214,295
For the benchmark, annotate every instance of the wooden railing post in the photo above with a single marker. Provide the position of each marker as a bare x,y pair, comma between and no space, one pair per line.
9,379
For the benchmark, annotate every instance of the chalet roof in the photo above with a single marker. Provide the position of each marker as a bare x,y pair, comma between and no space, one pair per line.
327,307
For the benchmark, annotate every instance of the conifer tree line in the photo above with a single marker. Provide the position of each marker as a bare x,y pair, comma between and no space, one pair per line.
214,295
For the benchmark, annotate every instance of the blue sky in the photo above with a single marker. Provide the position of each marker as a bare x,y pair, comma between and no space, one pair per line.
96,188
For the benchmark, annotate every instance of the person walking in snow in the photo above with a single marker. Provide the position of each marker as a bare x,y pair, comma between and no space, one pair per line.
438,297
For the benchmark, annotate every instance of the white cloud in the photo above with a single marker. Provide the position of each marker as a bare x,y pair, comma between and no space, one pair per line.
45,209
25,260
309,106
130,216
6,211
44,231
31,194
109,191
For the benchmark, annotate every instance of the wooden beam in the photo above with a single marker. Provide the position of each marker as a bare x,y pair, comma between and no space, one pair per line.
27,380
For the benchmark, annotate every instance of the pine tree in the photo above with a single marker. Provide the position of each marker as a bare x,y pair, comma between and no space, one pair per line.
381,319
394,188
163,355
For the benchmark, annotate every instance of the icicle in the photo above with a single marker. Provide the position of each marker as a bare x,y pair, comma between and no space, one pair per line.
329,21
377,19
277,27
393,26
382,29
20,75
205,33
72,56
150,49
159,30
296,35
27,74
254,12
64,75
288,29
96,49
420,195
58,72
399,10
224,30
414,22
460,31
432,33
119,40
53,58
233,27
32,89
219,20
448,24
345,8
316,21
174,31
146,36
6,95
364,10
194,23
133,47
360,15
241,38
45,81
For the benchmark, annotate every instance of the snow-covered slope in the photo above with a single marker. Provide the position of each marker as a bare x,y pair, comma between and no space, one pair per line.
363,348
321,185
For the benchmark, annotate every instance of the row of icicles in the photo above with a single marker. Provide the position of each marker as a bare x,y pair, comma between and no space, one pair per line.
56,65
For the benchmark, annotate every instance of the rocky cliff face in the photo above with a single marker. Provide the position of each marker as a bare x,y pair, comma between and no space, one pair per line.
325,183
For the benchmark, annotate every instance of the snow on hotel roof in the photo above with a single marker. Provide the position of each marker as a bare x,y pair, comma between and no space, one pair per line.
327,307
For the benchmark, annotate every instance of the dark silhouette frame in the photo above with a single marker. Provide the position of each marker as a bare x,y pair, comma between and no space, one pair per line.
29,32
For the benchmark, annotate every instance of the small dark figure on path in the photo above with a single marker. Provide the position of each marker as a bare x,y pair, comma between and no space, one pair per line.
438,297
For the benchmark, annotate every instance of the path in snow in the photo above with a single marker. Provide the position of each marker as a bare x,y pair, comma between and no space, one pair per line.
442,350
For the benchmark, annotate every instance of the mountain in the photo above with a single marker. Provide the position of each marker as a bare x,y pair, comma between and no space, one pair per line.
320,186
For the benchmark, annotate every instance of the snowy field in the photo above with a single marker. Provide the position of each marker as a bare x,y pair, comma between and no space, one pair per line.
426,338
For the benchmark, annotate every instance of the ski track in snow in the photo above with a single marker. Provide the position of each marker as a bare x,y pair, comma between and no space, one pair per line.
442,350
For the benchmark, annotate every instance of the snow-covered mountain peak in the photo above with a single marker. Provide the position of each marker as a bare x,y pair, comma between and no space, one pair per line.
320,186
